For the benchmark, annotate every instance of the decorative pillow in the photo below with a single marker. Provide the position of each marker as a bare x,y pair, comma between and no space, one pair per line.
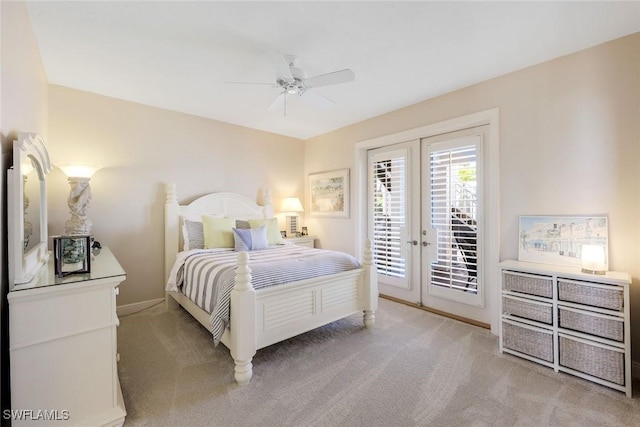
217,232
250,239
192,235
241,223
273,230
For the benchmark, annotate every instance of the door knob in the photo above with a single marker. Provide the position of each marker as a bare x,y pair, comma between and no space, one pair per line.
425,244
413,242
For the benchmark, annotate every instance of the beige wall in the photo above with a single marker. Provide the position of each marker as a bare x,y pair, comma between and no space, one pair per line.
23,108
140,149
24,83
569,144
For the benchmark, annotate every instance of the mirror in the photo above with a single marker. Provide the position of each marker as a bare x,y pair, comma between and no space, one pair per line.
27,210
31,205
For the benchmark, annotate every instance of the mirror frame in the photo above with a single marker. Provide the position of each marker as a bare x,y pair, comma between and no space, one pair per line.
24,265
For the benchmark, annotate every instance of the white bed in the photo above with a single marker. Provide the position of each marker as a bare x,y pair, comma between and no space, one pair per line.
266,316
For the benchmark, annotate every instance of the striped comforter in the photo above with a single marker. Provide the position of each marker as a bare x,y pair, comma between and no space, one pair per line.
207,277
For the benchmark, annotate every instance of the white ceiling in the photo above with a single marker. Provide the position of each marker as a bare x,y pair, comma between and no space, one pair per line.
179,55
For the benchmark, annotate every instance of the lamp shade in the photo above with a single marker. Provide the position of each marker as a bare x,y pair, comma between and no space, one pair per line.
593,259
291,204
79,170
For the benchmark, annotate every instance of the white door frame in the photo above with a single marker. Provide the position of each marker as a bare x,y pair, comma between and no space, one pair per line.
492,197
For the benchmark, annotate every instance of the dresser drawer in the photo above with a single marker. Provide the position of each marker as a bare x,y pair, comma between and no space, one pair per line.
594,294
527,309
529,340
592,358
527,284
591,323
66,311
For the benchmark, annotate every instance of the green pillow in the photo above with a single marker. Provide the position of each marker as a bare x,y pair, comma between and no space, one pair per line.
218,232
273,230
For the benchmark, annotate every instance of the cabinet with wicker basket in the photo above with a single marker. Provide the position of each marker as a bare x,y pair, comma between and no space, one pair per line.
567,320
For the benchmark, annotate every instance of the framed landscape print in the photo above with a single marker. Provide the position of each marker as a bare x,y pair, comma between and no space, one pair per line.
559,239
329,194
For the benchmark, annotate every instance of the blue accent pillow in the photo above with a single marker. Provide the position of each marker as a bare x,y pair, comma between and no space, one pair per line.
250,239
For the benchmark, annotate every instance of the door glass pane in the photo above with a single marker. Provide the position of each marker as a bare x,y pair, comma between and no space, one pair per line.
454,202
388,188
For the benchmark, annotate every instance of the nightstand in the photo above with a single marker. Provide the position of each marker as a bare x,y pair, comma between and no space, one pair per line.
309,241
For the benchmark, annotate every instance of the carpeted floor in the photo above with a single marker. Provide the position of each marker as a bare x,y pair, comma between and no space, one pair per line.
413,368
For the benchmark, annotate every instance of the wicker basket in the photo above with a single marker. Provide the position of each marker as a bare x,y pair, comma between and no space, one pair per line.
611,297
603,363
527,309
527,284
605,327
531,341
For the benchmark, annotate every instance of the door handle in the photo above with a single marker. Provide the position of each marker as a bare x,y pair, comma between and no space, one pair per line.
425,244
413,242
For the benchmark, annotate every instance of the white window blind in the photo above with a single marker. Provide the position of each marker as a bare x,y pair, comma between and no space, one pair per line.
389,177
454,201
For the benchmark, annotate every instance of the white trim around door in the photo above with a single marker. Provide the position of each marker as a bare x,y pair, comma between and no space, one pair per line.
491,198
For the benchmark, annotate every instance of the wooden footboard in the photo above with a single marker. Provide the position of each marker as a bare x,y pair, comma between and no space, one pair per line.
284,311
270,315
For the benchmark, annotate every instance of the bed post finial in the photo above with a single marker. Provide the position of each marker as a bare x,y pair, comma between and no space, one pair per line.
243,322
370,285
268,207
172,196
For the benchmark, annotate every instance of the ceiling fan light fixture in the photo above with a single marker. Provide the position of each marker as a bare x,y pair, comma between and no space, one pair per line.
294,81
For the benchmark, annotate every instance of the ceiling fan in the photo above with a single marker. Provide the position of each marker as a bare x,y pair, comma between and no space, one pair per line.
293,81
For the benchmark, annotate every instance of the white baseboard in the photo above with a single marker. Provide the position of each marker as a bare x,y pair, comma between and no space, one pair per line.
123,310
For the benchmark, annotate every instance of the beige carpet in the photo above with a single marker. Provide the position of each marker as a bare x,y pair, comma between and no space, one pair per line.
412,369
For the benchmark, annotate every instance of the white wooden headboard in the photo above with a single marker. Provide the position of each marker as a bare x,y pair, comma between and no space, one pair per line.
230,205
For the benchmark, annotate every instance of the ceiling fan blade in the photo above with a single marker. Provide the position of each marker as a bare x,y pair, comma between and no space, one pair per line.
282,67
317,100
278,102
342,76
251,83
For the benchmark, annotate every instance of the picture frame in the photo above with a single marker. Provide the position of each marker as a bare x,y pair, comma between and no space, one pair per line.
72,254
558,240
329,194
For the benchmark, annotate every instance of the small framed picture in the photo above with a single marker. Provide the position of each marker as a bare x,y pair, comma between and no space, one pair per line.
305,232
72,255
283,233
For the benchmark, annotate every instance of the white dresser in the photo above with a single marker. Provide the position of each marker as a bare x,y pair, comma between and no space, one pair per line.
63,347
571,321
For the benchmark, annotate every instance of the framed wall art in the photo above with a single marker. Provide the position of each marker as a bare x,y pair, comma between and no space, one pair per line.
329,194
559,239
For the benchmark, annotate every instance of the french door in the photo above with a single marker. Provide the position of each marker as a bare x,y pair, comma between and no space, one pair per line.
394,214
426,219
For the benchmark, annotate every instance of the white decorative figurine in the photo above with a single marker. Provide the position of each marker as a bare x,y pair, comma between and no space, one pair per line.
78,203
